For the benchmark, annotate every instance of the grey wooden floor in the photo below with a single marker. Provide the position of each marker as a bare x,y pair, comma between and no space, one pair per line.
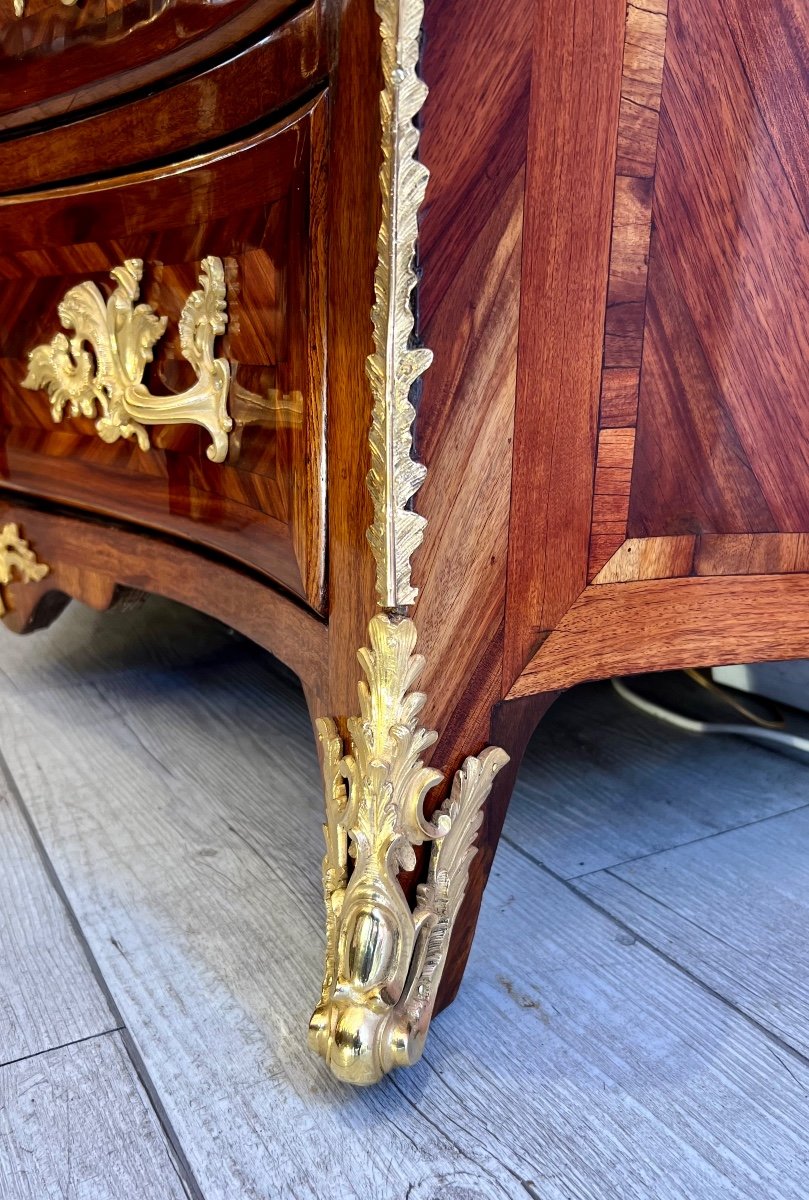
634,1021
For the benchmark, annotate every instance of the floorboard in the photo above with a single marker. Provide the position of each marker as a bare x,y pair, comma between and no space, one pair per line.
734,910
48,994
85,646
180,805
602,784
75,1124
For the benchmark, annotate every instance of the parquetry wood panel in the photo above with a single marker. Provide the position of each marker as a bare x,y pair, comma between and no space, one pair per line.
709,554
649,558
470,246
702,465
723,437
461,568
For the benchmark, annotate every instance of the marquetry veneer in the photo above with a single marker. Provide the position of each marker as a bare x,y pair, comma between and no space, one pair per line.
613,281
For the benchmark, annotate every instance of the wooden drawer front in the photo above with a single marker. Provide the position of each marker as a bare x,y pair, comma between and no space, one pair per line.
258,207
56,55
228,95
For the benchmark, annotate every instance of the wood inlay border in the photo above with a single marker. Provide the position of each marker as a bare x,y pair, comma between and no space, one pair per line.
570,184
641,87
706,554
692,623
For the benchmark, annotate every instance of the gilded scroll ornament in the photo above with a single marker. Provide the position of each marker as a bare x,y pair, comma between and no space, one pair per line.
384,959
395,365
17,561
107,385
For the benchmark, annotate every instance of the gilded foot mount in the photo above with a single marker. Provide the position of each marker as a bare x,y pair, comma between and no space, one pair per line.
383,961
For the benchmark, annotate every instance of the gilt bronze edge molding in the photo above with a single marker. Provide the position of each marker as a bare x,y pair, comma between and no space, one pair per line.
18,562
107,386
396,531
384,960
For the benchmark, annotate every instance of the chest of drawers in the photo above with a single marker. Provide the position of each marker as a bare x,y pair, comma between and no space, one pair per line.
209,299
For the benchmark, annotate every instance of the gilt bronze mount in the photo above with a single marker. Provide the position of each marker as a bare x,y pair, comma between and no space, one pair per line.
17,562
108,387
384,959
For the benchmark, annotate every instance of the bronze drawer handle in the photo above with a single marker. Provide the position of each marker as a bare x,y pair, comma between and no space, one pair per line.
122,335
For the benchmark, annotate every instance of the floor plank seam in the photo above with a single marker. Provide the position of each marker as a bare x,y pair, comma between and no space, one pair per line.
91,1037
56,884
662,903
180,1161
706,837
773,1038
526,1184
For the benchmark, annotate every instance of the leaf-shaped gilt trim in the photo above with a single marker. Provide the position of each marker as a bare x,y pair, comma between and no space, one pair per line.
121,334
383,960
395,365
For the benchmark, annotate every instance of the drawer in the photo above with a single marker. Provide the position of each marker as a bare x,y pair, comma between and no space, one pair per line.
233,93
58,55
256,208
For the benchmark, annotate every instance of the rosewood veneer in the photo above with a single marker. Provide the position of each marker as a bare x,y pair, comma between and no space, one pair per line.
613,280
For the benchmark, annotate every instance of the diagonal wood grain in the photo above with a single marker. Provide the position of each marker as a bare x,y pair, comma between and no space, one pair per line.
570,177
75,1122
724,368
684,407
774,53
461,569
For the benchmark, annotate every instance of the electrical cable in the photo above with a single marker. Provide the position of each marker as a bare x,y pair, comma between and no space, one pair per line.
761,732
726,696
